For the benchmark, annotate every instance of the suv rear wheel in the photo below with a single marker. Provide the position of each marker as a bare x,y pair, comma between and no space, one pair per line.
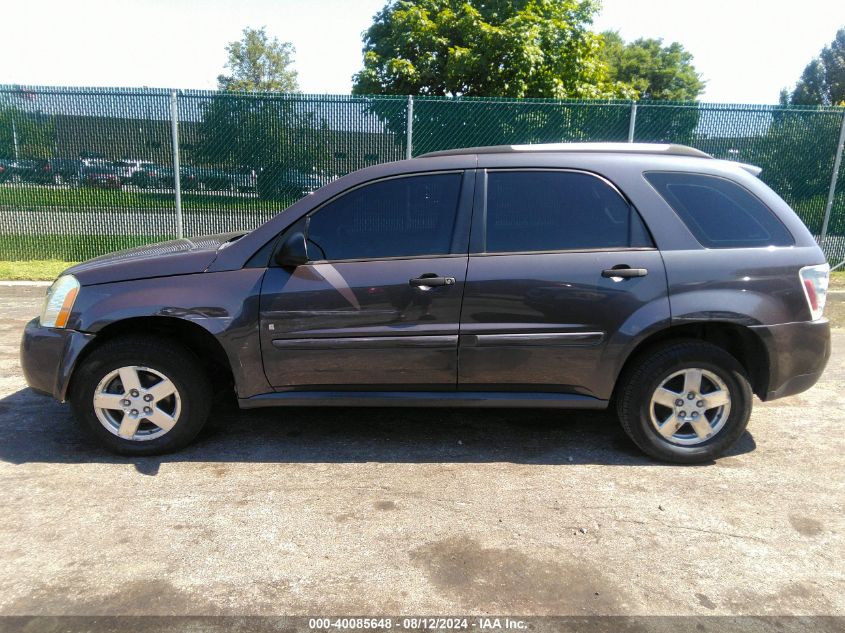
142,396
685,402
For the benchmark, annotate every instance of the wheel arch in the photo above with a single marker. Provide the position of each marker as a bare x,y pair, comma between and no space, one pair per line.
200,341
739,341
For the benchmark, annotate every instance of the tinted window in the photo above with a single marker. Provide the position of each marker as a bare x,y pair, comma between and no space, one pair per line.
720,213
400,217
550,211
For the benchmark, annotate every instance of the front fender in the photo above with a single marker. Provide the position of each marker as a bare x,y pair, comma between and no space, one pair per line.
224,304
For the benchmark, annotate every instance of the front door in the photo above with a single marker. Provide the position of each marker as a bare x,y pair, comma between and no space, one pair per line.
562,276
378,303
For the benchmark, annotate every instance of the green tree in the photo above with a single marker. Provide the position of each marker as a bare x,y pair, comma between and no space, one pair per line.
811,89
256,132
505,48
802,174
23,127
823,80
258,63
833,59
655,71
490,48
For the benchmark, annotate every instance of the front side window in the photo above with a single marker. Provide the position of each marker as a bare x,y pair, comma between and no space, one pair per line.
720,213
399,217
558,210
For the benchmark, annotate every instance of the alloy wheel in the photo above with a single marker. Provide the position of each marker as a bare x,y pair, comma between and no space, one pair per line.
690,406
137,403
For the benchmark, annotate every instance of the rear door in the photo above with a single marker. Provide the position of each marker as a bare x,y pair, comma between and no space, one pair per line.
378,303
562,276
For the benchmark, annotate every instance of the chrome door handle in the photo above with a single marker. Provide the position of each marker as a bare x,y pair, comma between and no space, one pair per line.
624,272
429,280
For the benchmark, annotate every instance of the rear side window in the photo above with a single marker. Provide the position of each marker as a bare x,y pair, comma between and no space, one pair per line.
720,213
400,217
558,210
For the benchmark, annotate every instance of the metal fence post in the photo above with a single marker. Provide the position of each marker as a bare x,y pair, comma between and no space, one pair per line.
409,140
177,182
633,122
15,136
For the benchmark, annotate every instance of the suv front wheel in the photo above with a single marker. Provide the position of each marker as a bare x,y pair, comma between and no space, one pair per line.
142,396
685,402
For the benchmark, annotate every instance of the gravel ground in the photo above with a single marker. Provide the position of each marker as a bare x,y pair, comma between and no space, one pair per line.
418,511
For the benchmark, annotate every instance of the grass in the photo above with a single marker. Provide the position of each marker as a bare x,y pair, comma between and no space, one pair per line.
87,199
22,257
33,269
69,248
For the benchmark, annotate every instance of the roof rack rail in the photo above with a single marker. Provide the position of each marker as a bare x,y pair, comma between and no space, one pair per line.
611,148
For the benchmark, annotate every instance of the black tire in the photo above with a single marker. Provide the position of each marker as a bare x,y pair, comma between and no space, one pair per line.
640,382
168,357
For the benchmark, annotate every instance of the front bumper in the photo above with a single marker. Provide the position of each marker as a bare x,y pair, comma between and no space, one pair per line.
48,356
798,354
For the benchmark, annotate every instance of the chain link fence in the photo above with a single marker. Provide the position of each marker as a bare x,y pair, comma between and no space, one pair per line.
88,171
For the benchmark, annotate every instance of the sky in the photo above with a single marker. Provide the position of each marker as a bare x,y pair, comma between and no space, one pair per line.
747,50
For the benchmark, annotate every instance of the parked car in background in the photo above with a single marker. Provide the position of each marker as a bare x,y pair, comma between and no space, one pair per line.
652,279
126,167
60,171
189,179
151,176
25,170
93,158
103,176
245,181
210,179
53,171
5,169
276,182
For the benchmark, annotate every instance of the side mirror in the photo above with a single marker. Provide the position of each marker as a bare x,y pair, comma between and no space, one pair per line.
294,251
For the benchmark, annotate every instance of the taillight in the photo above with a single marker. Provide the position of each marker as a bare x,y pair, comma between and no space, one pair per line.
814,280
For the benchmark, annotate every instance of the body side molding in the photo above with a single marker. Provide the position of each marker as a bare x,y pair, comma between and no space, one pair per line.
480,399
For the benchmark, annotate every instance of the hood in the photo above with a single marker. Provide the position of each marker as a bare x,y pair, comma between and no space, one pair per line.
176,257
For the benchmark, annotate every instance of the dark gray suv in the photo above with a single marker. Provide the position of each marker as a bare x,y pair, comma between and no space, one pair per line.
651,278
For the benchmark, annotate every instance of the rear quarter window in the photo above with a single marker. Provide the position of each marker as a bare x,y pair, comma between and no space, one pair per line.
719,212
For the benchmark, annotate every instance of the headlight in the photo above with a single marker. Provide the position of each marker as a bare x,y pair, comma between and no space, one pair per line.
59,301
